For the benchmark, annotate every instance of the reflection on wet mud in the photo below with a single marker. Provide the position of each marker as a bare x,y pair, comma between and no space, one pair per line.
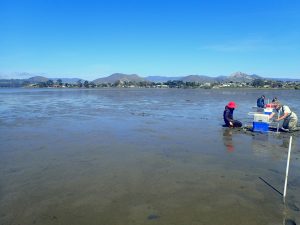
260,144
285,142
228,140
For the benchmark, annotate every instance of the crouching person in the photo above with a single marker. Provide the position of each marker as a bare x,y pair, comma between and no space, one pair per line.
228,116
289,118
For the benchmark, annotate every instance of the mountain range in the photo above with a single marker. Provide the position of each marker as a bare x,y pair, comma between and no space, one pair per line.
119,77
235,77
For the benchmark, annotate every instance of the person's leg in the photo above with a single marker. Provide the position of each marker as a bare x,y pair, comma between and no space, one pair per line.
292,125
285,124
237,123
226,125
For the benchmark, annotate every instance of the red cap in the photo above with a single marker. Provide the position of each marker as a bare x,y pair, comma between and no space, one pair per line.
231,105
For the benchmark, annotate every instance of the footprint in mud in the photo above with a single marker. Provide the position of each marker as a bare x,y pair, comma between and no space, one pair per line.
153,217
53,218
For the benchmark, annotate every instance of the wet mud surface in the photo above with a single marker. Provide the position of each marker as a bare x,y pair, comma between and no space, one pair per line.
142,157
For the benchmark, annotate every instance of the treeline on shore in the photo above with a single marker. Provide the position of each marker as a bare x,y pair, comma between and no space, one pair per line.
256,83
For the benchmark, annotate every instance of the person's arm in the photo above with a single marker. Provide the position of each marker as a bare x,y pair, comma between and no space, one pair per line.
282,117
227,117
271,115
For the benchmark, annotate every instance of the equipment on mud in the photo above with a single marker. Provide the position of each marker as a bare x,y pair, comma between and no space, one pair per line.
261,122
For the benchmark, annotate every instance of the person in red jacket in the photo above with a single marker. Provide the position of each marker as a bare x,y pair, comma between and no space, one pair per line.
228,116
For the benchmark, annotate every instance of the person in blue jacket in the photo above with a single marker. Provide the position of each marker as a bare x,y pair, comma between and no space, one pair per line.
228,116
261,102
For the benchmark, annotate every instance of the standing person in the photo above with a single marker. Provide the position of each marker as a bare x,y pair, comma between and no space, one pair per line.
275,99
228,116
289,118
261,102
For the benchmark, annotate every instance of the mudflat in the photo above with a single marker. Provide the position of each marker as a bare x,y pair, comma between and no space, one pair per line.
142,156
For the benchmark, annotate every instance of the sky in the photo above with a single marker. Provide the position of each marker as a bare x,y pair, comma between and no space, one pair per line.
92,39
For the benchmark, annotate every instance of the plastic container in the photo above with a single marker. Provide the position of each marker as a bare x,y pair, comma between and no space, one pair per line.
260,127
268,111
261,118
270,106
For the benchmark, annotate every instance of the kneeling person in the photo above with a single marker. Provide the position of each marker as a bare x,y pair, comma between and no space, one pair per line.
228,116
289,118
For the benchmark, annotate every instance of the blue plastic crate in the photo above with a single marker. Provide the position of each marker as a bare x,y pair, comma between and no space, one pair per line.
260,127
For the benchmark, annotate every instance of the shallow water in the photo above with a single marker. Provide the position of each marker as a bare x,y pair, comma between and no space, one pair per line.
142,156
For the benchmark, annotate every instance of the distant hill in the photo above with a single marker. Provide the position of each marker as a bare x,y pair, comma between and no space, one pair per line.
198,79
119,77
37,79
284,79
161,79
242,77
235,77
221,78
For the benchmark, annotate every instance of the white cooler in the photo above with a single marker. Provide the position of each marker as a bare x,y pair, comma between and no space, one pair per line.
261,118
261,123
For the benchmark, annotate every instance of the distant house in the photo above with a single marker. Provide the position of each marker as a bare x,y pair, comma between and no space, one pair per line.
225,85
162,86
33,85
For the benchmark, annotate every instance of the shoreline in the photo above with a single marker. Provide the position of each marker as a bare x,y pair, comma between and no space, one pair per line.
219,88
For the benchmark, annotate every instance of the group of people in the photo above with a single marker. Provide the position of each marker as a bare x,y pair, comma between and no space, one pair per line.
284,112
261,101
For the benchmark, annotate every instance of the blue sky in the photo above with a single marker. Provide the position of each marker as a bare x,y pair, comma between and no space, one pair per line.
92,39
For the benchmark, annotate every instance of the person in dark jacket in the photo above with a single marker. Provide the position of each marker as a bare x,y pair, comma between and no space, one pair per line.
261,102
228,116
